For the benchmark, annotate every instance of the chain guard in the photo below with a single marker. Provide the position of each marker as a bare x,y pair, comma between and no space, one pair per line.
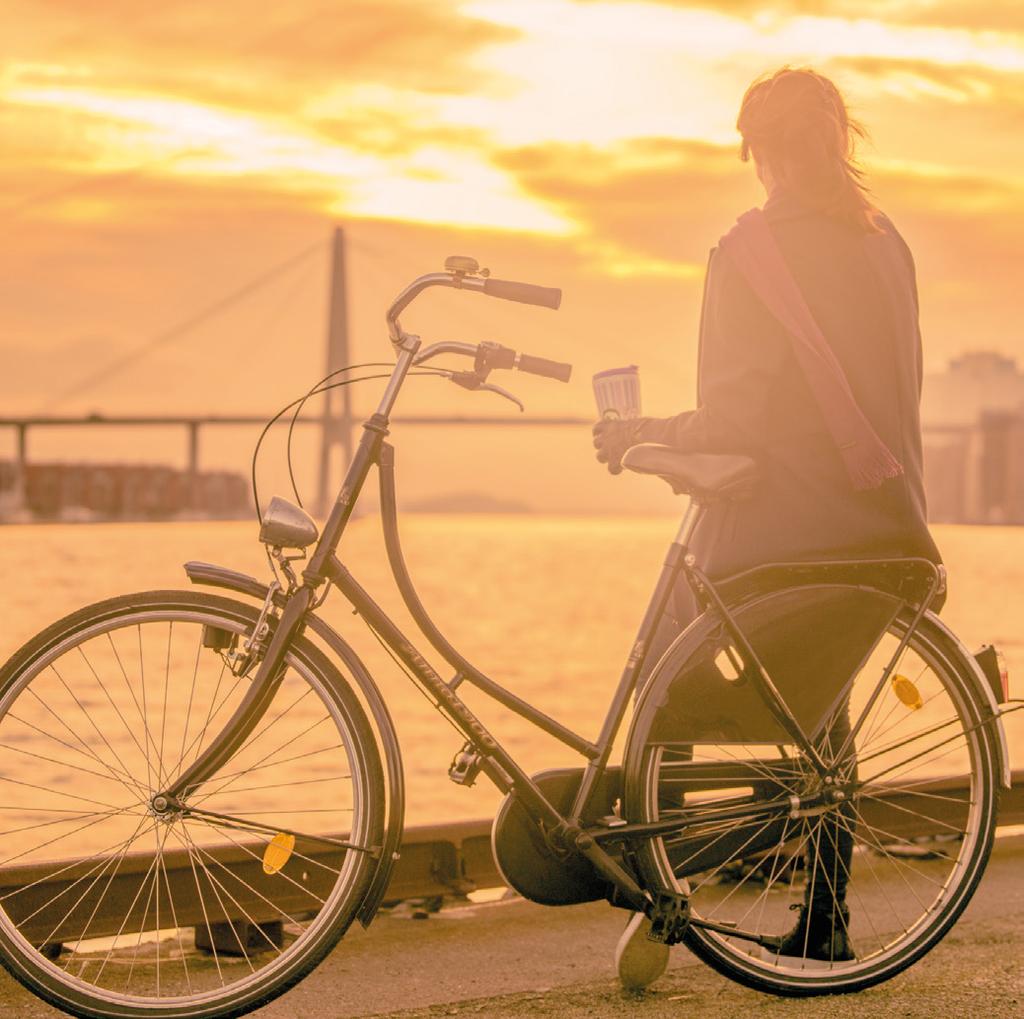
529,864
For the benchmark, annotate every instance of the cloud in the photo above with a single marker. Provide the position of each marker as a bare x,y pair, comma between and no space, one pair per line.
431,182
993,16
606,127
227,49
649,206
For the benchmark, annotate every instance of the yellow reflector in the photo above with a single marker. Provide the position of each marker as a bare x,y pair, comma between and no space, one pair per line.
905,690
278,852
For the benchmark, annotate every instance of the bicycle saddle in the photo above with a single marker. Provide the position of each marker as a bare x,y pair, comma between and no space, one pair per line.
705,476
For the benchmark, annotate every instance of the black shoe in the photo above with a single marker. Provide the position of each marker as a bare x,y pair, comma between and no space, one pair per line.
820,935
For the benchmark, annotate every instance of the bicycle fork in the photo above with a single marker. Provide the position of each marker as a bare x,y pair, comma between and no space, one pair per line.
247,715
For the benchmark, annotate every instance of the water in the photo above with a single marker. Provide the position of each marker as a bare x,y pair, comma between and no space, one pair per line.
546,605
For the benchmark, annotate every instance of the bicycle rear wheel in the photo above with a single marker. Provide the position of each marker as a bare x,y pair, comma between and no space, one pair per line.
890,867
110,907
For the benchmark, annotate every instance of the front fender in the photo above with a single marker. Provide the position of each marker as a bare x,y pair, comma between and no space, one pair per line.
241,583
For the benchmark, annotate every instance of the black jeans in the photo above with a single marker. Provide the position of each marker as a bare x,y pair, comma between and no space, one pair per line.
828,840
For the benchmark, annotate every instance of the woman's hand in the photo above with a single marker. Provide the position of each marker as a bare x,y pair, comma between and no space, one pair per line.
613,438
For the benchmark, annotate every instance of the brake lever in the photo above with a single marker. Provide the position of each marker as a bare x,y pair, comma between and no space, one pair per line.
471,380
492,388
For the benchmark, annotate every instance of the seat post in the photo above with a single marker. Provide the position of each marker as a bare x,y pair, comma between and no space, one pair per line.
689,523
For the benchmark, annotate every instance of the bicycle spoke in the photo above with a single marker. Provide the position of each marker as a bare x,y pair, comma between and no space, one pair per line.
260,763
73,749
922,758
188,709
60,838
177,928
89,752
92,884
64,764
278,763
907,740
707,876
867,744
213,711
124,922
184,838
919,789
244,824
93,725
777,858
900,867
147,735
743,880
275,785
249,888
930,818
258,856
145,913
163,713
869,732
111,701
100,866
206,916
110,880
99,732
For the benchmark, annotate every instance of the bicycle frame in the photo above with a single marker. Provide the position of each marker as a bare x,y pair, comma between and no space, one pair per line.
487,754
495,761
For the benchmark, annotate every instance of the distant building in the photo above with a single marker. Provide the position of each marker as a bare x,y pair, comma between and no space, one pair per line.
972,417
979,381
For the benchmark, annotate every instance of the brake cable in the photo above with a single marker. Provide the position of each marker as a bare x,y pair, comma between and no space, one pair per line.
284,410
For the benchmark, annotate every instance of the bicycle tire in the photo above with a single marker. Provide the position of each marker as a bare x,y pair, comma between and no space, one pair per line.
890,921
262,934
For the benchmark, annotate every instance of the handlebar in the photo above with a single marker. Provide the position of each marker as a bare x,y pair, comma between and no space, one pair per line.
524,293
488,356
557,370
467,278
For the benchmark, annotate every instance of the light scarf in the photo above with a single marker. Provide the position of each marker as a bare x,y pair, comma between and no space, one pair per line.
756,254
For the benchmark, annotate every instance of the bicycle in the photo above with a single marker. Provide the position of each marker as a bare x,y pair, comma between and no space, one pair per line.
182,759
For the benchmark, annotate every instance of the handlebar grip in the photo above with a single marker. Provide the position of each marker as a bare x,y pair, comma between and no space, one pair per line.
524,293
543,367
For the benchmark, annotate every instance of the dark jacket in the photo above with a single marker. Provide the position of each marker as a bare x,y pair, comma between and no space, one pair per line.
753,399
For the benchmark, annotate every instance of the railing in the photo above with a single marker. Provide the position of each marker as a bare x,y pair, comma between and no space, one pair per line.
192,424
439,859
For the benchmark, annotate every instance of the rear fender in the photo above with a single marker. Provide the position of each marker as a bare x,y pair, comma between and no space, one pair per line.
218,576
734,721
986,691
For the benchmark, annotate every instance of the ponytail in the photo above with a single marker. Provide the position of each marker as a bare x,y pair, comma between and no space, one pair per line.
796,122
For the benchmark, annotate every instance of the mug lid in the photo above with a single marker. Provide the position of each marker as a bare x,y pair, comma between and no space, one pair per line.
631,369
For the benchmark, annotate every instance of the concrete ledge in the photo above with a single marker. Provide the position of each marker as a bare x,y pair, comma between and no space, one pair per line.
441,859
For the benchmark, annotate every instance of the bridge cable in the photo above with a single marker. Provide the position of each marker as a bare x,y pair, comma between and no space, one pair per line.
181,328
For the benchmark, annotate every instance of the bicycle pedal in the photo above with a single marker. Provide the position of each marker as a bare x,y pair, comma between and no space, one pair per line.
670,916
465,766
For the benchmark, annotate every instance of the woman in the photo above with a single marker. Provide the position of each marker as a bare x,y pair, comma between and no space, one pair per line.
761,394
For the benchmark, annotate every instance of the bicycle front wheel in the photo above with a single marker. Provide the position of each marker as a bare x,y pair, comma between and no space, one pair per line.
838,895
111,907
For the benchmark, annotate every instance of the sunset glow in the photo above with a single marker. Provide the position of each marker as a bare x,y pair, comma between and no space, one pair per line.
603,130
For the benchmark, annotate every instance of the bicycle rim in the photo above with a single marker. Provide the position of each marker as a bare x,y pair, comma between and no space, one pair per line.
109,907
881,877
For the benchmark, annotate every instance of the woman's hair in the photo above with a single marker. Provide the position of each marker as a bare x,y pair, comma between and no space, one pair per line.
797,123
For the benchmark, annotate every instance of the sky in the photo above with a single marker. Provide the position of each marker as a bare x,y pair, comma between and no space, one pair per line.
171,175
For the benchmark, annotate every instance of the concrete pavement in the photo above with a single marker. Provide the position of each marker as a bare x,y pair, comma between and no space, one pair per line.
515,959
